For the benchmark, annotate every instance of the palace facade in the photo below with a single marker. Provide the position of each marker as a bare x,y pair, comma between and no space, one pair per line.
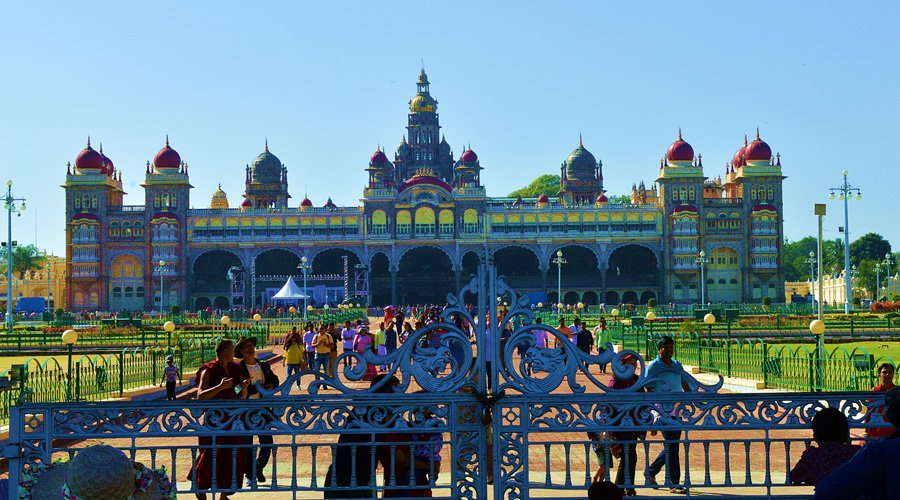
422,225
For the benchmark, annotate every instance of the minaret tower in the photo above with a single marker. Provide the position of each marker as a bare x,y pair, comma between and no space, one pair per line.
426,149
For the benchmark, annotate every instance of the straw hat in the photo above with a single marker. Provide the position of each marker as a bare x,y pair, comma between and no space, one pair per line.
96,472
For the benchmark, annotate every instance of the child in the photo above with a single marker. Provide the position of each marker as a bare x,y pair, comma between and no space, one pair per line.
170,375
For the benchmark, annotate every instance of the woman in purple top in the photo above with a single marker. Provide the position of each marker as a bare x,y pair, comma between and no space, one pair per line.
362,343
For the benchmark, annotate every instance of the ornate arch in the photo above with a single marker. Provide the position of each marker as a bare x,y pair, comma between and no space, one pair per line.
201,253
398,256
493,249
255,254
316,251
594,249
612,249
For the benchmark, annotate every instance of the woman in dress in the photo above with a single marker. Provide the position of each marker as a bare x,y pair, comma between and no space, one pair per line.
362,343
221,378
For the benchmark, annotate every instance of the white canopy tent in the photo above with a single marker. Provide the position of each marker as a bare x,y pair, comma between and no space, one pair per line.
290,292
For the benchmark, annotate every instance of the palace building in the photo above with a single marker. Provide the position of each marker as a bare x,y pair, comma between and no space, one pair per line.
422,225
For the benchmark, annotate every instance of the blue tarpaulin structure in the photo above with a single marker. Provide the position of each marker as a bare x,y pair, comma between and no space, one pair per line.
28,305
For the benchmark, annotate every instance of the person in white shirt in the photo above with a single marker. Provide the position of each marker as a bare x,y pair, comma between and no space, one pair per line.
575,328
262,374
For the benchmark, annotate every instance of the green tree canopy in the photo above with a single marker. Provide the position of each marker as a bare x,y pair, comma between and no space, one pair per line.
546,184
871,246
25,259
865,253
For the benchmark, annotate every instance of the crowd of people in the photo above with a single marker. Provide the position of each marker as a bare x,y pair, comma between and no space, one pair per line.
316,347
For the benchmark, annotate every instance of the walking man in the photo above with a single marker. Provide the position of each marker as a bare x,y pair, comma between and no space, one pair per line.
670,374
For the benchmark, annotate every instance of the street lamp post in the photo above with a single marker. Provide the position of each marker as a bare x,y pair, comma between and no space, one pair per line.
811,260
854,274
845,190
559,261
225,320
877,281
888,265
304,267
161,268
709,319
9,203
47,309
650,316
69,337
701,261
169,327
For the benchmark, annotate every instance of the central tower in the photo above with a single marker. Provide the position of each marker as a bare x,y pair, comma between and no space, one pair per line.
425,149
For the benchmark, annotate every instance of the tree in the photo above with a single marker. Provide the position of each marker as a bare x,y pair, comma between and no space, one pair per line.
871,246
547,184
25,259
795,254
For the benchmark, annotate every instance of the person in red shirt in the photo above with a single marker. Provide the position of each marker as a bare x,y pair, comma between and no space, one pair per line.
886,377
221,378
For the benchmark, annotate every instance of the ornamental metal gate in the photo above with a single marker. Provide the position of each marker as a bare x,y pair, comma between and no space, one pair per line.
487,403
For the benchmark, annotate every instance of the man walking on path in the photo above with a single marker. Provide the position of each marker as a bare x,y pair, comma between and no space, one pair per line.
602,336
670,374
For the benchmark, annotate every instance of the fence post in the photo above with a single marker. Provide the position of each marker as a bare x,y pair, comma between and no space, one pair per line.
121,375
851,326
78,381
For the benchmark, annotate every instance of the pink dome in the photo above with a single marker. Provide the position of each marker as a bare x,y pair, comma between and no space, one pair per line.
469,156
602,198
378,158
680,150
167,158
247,203
684,208
738,160
418,180
543,199
758,150
89,159
306,203
109,168
765,207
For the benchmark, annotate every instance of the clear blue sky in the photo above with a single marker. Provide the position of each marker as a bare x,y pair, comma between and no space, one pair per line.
326,82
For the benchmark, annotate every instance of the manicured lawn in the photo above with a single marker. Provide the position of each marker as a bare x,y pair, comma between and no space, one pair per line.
876,348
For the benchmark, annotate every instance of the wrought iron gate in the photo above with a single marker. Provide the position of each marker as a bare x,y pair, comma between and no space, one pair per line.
478,391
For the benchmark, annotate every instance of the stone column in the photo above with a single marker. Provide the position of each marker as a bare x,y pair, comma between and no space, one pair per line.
393,287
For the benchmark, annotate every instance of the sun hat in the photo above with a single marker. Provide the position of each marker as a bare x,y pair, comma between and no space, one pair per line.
239,347
98,471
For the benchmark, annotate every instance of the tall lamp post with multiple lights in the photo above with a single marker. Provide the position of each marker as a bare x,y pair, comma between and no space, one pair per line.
877,281
811,260
9,203
701,261
888,265
845,191
161,268
304,267
559,261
